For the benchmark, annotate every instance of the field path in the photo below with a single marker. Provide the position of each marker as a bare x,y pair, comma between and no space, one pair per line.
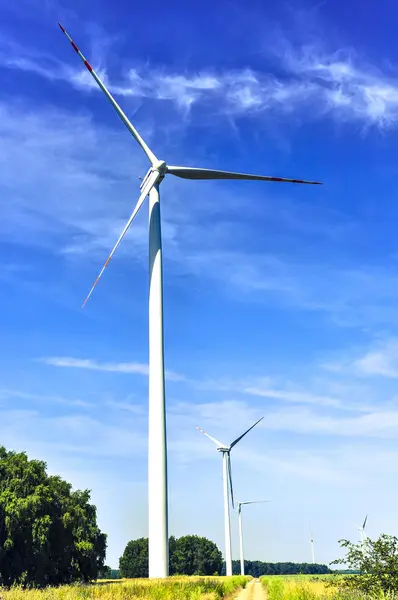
253,591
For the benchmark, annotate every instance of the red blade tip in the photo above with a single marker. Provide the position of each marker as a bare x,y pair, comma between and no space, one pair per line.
62,29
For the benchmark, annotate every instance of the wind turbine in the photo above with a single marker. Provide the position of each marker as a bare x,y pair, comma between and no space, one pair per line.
361,529
239,509
227,480
157,442
312,542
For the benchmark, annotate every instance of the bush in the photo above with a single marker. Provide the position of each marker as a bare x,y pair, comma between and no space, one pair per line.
377,564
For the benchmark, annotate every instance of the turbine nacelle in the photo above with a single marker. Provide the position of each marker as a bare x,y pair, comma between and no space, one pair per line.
160,166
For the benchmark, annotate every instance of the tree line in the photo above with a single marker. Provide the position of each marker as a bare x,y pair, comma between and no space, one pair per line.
257,568
194,555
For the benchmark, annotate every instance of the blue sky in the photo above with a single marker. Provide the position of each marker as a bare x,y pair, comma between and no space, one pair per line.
279,300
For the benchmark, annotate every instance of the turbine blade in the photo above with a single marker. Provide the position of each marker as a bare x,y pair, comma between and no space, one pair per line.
230,480
217,442
364,523
111,99
194,173
152,180
256,502
243,434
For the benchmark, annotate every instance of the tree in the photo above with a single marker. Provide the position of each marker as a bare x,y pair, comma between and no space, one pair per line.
104,573
195,555
48,533
188,555
134,561
377,564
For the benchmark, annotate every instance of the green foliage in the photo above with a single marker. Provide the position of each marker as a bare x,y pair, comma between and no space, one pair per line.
134,561
114,574
195,555
48,533
104,572
188,555
257,568
377,563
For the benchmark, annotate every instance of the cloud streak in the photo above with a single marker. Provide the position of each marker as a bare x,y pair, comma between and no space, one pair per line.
379,360
225,415
128,368
382,362
311,82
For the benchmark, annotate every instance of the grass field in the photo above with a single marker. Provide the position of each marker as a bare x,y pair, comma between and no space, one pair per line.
307,587
178,588
304,587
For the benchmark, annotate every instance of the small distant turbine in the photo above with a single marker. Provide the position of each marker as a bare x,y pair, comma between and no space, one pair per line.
227,481
239,509
361,529
312,542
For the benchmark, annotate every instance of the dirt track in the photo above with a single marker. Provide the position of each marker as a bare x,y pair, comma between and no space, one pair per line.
253,591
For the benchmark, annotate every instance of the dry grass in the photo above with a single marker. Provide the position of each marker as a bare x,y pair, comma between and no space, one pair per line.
173,588
298,588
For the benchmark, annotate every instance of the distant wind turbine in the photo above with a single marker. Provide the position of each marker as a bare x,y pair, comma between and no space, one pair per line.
239,508
157,441
361,529
227,485
312,542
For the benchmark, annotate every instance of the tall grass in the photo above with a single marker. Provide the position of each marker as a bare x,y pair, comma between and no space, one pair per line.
174,588
309,587
297,588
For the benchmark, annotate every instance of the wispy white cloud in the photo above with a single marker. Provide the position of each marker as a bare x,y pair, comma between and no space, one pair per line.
93,365
382,362
226,414
14,395
295,397
348,85
67,433
314,82
267,388
350,295
380,359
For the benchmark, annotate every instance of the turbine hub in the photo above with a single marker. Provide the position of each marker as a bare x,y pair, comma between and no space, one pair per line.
160,166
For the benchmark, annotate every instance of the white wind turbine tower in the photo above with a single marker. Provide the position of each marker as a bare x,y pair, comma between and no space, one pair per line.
361,529
157,448
227,485
312,542
239,509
